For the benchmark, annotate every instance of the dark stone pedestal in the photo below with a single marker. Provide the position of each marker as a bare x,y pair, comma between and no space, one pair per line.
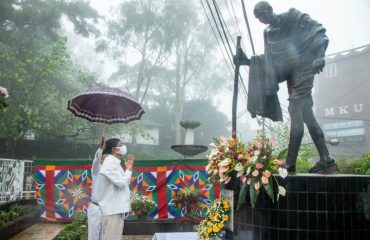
317,207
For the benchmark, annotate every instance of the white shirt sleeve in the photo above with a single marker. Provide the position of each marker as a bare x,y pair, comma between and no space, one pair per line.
95,168
115,174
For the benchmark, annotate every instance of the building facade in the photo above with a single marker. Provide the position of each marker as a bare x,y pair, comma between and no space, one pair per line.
342,101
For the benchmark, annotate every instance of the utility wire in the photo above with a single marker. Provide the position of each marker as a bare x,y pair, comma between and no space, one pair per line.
218,30
222,23
214,33
220,18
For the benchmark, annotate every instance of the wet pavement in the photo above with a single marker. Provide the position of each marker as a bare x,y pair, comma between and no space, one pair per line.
40,231
48,231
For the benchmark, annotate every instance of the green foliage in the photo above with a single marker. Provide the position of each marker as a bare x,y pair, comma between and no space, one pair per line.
242,196
280,132
15,210
355,166
76,230
36,68
3,103
306,152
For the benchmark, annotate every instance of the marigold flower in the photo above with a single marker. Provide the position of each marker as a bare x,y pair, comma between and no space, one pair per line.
220,225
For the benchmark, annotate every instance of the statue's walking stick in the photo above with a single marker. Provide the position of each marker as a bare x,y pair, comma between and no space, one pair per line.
236,81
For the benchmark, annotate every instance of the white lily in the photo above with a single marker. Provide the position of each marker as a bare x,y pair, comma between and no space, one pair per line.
282,191
248,171
238,167
283,172
225,162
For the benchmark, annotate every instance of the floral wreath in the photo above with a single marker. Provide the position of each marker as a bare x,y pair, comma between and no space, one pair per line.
216,216
254,163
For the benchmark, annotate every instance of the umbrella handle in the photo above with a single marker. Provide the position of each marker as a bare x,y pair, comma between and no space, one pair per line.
105,125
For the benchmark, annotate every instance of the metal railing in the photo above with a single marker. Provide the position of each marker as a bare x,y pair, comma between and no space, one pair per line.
16,181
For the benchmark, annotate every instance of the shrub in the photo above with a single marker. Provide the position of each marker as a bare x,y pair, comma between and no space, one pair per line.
76,230
141,205
14,211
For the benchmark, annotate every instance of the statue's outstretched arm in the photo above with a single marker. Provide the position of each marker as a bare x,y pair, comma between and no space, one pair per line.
240,58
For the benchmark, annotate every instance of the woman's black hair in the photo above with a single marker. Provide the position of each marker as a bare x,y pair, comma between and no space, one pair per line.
110,144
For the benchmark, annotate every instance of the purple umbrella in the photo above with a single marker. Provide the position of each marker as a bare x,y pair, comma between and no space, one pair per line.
106,105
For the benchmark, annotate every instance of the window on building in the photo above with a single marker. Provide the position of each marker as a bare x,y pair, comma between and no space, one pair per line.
331,70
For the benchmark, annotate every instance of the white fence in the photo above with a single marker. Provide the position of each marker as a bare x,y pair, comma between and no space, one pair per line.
16,181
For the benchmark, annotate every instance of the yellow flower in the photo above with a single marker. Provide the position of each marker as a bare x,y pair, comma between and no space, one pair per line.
220,225
232,142
209,230
225,218
215,229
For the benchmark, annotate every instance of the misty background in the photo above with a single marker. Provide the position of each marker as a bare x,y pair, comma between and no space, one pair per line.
174,56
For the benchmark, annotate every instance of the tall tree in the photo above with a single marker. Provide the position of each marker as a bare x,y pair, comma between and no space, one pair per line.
176,59
35,66
136,31
195,75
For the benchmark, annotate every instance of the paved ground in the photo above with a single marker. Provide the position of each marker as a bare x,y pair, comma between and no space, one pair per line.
40,231
47,231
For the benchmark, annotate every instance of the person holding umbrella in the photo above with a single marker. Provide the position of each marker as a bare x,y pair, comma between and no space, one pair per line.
112,189
94,213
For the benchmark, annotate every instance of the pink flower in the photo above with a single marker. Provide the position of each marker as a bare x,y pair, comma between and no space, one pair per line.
257,186
257,153
265,180
240,157
249,181
243,178
267,173
223,169
259,165
255,173
259,144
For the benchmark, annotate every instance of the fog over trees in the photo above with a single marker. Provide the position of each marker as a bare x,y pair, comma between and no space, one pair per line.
159,51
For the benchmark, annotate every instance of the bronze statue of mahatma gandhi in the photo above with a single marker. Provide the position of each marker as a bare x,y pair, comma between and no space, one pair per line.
295,46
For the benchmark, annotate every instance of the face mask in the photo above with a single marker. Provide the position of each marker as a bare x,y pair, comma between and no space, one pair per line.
122,150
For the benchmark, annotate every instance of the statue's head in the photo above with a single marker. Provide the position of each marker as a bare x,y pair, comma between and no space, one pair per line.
264,12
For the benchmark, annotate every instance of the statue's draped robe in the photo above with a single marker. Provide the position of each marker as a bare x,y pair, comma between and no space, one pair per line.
296,42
